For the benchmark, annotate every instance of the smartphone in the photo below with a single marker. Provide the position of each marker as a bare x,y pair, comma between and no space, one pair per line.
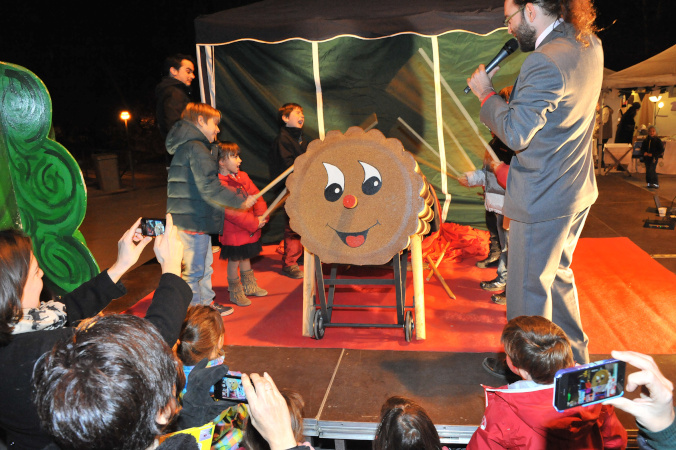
152,227
230,388
589,384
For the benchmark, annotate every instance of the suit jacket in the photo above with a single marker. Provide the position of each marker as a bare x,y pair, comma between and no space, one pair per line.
549,122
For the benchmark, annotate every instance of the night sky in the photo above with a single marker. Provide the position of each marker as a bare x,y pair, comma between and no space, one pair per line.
99,59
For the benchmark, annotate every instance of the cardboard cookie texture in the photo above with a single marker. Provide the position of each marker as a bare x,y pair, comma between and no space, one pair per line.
356,198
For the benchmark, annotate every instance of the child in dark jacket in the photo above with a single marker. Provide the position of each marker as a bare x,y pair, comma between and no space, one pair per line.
521,415
241,236
652,149
289,144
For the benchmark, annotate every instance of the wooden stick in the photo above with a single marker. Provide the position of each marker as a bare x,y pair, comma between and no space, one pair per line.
281,198
274,182
428,164
441,279
308,293
273,205
418,286
441,257
370,122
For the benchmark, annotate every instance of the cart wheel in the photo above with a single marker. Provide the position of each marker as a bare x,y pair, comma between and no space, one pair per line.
409,326
318,325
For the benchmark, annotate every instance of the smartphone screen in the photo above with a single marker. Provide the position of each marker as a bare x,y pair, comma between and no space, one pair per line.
589,384
230,388
152,227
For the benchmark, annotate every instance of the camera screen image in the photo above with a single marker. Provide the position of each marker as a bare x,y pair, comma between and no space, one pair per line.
593,384
152,227
230,387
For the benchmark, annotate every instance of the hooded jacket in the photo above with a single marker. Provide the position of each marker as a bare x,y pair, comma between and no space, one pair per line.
524,418
196,198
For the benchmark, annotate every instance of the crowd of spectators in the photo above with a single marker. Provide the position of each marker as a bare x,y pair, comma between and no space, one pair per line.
114,381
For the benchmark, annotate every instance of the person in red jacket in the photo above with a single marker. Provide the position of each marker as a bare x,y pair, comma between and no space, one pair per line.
521,415
240,240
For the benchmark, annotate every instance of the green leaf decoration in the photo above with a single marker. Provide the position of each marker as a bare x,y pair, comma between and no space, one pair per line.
42,190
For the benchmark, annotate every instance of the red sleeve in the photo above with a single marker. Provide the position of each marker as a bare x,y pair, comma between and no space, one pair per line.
241,218
501,173
613,433
260,206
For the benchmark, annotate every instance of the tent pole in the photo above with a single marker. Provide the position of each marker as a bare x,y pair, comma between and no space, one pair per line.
318,89
440,125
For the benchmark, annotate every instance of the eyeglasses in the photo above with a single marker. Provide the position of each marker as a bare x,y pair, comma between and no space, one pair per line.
510,17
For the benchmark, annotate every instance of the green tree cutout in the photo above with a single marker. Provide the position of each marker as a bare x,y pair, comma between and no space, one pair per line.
41,186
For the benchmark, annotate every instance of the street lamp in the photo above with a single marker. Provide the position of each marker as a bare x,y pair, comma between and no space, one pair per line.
124,115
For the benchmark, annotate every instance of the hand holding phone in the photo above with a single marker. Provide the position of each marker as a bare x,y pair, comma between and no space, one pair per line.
129,248
168,248
588,384
654,411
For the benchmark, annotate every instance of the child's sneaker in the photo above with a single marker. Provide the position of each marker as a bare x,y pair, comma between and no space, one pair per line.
222,310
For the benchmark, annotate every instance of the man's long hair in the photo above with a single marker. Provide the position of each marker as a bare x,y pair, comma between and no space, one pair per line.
579,13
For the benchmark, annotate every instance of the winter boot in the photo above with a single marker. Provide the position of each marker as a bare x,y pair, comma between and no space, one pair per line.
237,292
250,285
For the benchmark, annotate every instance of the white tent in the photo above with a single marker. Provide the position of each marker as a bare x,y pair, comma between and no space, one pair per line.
656,76
652,74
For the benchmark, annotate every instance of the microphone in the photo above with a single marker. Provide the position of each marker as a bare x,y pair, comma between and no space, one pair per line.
507,50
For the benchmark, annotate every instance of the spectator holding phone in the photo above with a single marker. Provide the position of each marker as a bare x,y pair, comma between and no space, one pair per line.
521,415
108,386
654,411
270,412
29,327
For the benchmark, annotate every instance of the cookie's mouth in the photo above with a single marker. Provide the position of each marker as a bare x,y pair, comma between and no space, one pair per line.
353,240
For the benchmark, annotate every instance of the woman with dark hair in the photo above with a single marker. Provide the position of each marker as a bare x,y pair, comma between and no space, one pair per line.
29,328
404,425
625,129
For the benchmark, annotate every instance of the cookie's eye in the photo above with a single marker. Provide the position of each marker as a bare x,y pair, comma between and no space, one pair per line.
372,179
336,184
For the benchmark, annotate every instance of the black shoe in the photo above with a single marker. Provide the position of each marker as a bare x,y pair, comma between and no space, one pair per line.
490,261
499,299
496,367
493,285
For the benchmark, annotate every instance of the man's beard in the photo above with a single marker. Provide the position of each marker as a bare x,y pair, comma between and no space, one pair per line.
525,34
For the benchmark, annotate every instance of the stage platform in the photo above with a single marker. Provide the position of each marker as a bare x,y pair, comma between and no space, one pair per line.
344,388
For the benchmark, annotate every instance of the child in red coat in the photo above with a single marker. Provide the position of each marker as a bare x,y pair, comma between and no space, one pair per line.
521,416
241,230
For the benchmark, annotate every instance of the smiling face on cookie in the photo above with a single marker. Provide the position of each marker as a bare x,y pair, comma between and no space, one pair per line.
355,198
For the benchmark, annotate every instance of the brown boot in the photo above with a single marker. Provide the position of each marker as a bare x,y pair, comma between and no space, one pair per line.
237,292
250,285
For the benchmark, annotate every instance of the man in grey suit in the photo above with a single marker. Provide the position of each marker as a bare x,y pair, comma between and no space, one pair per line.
549,122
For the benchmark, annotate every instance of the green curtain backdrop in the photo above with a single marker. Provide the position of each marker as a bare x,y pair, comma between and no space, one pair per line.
389,77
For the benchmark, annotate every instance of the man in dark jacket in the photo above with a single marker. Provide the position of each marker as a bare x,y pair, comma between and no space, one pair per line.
173,92
196,197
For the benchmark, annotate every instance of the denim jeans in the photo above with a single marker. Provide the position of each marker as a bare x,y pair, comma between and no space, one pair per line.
197,270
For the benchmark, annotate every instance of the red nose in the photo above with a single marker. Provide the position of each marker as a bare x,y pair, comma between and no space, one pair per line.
349,201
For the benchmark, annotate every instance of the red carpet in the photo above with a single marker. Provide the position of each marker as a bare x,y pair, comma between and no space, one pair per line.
626,301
